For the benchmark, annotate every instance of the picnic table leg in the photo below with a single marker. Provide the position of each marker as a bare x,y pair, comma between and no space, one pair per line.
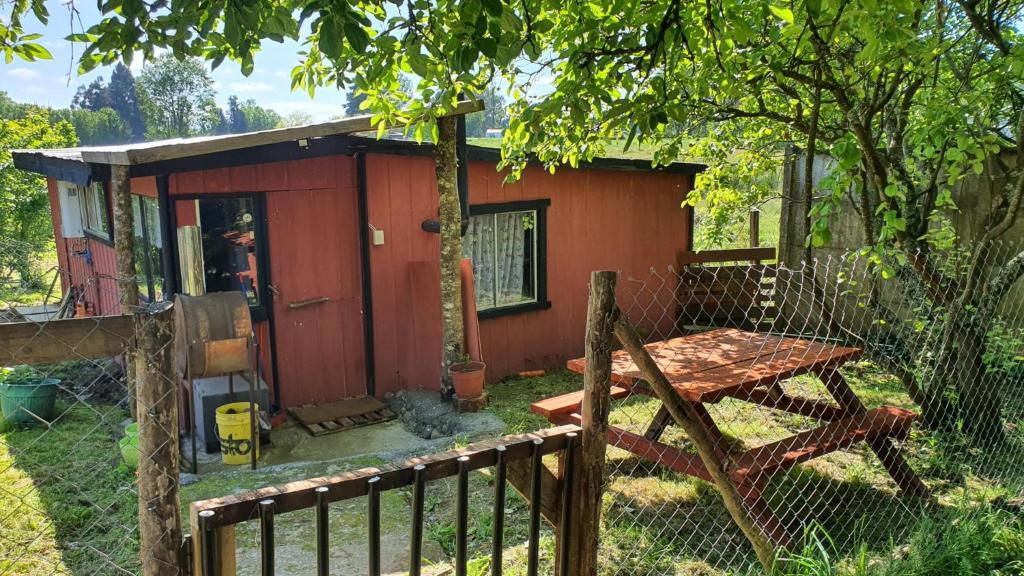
751,492
763,515
657,427
882,446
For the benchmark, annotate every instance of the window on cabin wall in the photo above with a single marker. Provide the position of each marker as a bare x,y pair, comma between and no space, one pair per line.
95,212
506,245
149,275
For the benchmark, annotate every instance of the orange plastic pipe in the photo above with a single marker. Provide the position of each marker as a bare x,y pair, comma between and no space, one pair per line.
470,322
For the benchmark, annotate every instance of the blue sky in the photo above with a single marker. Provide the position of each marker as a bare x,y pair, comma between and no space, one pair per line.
54,82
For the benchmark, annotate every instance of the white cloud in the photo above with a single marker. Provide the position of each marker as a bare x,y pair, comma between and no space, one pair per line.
23,74
249,86
282,73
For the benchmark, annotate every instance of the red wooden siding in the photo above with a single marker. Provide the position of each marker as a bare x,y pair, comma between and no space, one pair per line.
88,265
401,194
598,219
314,251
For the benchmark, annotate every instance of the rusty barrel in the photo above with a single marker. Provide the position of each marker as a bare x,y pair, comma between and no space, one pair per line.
212,334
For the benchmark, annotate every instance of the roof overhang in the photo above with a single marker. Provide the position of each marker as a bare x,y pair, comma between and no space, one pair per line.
91,164
77,164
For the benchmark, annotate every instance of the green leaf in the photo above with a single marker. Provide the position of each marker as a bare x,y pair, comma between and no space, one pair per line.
783,13
488,46
330,42
493,7
356,36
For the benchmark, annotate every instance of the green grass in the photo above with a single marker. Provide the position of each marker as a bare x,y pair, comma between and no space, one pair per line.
659,522
67,505
956,541
12,293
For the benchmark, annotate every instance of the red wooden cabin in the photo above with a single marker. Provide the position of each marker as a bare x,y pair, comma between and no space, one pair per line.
328,235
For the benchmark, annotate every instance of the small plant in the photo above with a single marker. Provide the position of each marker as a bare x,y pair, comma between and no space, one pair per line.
23,375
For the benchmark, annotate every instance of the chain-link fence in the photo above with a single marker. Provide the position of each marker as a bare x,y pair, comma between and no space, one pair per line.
74,450
848,399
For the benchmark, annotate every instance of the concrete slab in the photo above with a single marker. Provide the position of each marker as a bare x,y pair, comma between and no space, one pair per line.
295,454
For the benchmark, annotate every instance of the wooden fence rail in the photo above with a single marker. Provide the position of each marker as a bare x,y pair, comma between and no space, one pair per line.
517,458
146,336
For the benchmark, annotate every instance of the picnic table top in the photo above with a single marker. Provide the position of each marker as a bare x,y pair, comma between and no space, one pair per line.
708,366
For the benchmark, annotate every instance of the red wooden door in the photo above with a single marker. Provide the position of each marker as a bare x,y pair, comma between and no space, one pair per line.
317,285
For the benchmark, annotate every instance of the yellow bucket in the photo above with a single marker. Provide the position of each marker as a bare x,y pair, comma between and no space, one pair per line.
234,432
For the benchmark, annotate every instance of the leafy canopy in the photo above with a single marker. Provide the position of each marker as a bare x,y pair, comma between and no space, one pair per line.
908,95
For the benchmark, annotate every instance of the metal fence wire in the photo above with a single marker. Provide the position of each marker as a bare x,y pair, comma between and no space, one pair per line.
949,353
69,499
946,345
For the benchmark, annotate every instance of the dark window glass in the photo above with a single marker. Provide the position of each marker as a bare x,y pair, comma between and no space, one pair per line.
228,227
94,210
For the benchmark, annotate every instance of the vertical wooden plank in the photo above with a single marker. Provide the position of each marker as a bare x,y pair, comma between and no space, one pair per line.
594,437
159,459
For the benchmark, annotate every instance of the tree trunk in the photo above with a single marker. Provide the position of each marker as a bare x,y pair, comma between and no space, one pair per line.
124,246
451,248
979,404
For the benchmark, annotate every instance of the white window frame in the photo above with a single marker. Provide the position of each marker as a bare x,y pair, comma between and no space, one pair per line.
69,198
89,211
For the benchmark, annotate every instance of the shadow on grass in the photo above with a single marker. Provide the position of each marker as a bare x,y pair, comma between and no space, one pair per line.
67,504
657,522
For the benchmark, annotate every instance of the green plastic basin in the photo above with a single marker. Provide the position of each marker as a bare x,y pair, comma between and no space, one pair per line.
19,403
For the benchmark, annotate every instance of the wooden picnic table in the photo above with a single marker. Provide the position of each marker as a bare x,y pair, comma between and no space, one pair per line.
708,367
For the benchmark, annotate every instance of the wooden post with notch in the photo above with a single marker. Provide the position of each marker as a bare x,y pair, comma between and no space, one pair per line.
159,456
590,469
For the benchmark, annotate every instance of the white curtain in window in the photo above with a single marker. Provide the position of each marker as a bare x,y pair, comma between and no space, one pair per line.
510,248
496,243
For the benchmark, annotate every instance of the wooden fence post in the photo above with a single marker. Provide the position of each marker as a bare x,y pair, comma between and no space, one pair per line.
159,457
590,473
755,231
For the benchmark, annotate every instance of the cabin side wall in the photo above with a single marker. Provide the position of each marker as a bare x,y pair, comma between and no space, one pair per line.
598,219
88,264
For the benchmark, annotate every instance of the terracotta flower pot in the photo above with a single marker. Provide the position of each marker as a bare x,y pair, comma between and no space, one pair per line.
468,379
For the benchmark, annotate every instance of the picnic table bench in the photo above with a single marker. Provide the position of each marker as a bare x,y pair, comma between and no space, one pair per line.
708,367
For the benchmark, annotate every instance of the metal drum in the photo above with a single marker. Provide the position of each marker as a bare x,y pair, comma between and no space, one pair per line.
213,337
212,334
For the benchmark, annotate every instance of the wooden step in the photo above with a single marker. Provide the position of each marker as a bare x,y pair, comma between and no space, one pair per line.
879,422
568,403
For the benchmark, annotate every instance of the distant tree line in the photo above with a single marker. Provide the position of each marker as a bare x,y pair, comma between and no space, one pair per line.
170,99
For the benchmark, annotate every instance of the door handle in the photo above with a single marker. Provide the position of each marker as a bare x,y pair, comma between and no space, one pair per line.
301,303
